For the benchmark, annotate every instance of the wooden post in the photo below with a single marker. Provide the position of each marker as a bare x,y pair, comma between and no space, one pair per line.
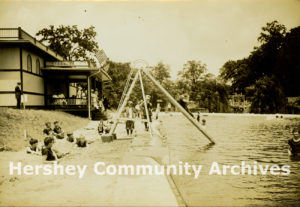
145,103
112,130
89,97
182,110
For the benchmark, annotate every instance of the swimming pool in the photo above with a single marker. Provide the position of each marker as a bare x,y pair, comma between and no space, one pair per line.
251,139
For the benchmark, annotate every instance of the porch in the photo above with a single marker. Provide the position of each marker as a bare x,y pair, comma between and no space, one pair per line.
73,86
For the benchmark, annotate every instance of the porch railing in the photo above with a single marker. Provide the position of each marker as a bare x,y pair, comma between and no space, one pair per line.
67,102
9,33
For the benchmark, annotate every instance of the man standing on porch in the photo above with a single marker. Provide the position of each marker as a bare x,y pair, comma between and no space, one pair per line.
18,94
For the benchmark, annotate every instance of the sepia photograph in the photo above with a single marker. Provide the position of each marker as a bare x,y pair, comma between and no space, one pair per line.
149,103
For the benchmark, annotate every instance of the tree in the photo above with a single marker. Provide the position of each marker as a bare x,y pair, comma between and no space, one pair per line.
268,96
119,74
237,73
288,66
114,90
192,71
203,88
161,72
191,75
271,65
70,42
272,33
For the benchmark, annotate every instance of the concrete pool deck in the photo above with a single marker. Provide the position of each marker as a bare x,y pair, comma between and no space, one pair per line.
142,190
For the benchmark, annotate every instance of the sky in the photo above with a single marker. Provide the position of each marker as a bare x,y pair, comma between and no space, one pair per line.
171,31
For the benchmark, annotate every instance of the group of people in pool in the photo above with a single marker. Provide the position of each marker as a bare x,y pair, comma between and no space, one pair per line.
57,133
52,135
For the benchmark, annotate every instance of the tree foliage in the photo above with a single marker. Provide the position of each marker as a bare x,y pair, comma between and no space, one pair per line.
289,63
119,73
202,87
70,42
114,89
271,68
268,96
161,72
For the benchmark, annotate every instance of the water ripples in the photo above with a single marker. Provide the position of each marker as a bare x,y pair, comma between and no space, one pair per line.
249,139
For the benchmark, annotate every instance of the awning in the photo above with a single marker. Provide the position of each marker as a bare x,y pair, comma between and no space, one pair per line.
78,72
103,75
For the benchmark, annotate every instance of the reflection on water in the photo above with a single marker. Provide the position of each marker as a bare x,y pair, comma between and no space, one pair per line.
238,139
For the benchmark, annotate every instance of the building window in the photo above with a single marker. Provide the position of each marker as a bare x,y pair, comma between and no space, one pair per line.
38,69
29,63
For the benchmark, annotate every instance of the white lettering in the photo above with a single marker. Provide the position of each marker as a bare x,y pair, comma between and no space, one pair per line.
111,170
12,168
81,170
285,169
186,168
233,170
263,170
196,170
96,168
144,169
28,170
126,169
214,169
275,170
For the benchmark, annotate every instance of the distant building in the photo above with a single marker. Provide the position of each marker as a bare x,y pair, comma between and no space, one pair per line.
239,104
293,105
43,74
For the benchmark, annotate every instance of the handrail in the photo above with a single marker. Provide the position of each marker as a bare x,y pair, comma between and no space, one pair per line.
67,101
9,33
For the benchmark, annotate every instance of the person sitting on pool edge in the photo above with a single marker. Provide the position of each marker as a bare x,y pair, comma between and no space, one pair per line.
58,132
33,148
104,126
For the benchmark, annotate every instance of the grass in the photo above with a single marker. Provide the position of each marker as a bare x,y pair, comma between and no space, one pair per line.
14,123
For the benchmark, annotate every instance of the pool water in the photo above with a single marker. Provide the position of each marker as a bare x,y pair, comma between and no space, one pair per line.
238,138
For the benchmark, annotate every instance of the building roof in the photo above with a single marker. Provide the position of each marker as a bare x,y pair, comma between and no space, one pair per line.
19,36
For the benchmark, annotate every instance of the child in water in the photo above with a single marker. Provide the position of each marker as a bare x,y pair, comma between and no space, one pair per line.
33,148
198,116
70,137
82,142
58,132
51,154
48,130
